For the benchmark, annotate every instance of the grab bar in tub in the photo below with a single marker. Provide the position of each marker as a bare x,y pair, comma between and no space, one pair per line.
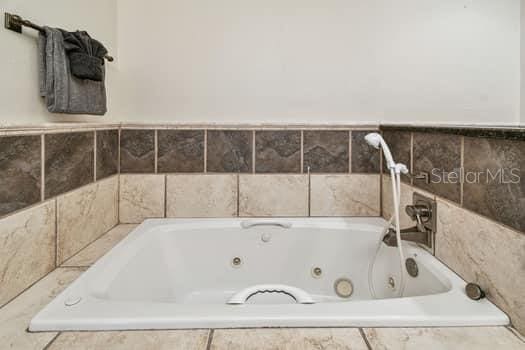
283,224
298,294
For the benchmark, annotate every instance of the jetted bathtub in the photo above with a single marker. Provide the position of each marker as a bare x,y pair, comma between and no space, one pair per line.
174,273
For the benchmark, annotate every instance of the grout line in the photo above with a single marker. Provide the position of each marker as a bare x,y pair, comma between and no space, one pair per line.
253,151
363,335
210,339
411,158
118,175
118,199
24,290
461,169
156,142
95,156
42,167
515,333
238,192
85,247
309,193
205,151
349,151
118,150
381,214
56,232
165,195
51,341
302,151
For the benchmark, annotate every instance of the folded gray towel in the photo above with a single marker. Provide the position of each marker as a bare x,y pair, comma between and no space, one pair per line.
63,92
86,55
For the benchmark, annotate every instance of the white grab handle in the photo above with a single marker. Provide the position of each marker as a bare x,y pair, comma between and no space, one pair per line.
283,224
298,294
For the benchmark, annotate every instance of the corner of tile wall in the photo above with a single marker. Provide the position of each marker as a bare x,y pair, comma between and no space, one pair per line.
484,252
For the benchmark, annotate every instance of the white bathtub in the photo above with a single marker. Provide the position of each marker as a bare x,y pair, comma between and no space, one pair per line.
171,273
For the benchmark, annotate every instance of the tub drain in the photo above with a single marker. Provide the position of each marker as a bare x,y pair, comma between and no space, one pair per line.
236,262
343,288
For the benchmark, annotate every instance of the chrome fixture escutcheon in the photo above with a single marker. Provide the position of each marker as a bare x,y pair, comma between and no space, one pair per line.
474,291
411,266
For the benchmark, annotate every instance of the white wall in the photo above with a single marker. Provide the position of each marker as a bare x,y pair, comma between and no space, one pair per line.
311,61
522,108
19,99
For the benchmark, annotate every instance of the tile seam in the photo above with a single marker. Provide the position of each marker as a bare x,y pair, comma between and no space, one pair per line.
363,335
42,168
95,156
350,151
210,339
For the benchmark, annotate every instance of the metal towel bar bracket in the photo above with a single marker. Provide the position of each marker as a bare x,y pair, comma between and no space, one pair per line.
298,294
15,23
283,224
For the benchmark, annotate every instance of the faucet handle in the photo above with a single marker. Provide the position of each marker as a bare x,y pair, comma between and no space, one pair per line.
416,213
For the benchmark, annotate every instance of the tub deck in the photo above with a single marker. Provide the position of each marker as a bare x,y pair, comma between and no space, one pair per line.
15,317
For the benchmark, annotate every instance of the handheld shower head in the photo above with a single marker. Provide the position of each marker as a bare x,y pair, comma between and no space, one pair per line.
377,141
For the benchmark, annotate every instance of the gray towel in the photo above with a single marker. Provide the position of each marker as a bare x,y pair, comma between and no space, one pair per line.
63,92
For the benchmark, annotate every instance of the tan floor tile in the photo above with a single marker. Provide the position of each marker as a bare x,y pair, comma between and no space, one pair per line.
132,340
15,316
288,339
480,338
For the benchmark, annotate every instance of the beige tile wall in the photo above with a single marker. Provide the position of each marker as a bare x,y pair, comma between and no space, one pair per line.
246,195
141,197
27,248
201,195
84,215
486,253
273,195
478,249
345,195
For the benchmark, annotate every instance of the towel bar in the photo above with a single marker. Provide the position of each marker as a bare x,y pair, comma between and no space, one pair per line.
15,23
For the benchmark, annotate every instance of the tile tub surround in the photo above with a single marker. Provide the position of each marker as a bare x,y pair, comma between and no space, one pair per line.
442,152
69,159
504,202
84,215
278,151
345,195
229,151
107,153
400,143
273,195
141,197
137,151
180,151
365,158
479,150
20,172
484,252
326,151
201,195
27,248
